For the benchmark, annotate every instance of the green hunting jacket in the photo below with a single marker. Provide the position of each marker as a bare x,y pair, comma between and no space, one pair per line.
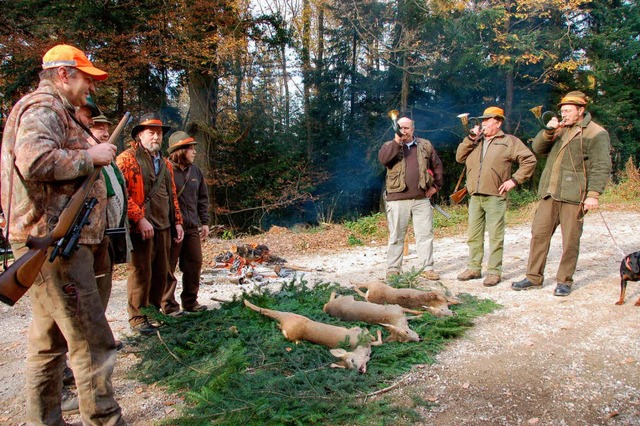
578,161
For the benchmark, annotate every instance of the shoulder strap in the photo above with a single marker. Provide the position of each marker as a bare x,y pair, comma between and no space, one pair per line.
186,180
5,257
156,184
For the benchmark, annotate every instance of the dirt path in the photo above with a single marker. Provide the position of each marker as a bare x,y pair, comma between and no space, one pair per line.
539,360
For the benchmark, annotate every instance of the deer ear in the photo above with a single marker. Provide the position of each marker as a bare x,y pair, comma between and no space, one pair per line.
334,365
338,353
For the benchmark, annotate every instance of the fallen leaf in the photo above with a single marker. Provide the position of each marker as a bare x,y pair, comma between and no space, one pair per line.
169,403
630,360
288,349
169,410
139,390
613,414
432,399
466,385
533,421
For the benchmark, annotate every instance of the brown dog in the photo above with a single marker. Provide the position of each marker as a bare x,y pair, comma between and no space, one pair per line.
629,271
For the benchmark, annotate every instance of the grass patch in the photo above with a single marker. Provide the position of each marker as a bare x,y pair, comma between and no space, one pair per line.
233,366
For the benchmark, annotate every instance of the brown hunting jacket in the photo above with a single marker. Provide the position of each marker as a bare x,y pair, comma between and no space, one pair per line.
485,175
51,162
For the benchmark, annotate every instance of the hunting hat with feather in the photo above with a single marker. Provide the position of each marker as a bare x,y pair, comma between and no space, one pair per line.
179,140
150,119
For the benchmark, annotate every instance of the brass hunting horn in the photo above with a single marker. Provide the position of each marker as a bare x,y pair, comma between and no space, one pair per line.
542,117
393,115
465,119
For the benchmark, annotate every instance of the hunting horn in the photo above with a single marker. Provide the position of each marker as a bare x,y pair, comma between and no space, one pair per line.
465,119
541,117
393,115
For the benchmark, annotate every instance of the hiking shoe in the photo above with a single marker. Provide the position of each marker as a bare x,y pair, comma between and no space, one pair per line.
491,280
197,308
175,314
119,345
524,285
69,403
562,290
468,274
431,275
144,328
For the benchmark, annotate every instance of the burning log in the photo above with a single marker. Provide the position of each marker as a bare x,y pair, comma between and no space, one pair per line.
241,259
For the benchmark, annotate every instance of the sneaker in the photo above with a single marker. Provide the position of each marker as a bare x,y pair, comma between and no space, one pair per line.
69,403
491,280
144,328
431,275
197,308
468,274
176,313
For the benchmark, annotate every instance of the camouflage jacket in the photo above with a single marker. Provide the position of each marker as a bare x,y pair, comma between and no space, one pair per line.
132,172
51,161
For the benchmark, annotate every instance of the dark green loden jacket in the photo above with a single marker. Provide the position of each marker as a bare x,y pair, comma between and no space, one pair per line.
578,164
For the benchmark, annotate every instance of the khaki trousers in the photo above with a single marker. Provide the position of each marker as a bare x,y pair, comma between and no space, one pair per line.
147,273
398,215
68,316
189,253
486,212
549,214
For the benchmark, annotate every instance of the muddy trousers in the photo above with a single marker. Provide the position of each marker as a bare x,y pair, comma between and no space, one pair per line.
68,316
188,255
486,212
147,273
398,215
549,214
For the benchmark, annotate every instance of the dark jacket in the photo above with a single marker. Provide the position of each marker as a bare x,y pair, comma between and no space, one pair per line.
485,175
578,164
391,155
192,197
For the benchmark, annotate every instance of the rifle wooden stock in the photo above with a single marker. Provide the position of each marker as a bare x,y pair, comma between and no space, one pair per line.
459,195
20,275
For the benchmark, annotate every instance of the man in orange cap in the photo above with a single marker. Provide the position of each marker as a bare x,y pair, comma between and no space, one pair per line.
45,159
488,154
154,218
578,167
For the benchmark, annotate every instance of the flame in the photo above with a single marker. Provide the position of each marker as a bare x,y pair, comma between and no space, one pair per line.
393,114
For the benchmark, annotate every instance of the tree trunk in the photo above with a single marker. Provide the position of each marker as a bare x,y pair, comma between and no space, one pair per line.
306,72
203,95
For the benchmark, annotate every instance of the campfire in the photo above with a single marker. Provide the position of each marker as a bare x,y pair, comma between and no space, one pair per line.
253,262
240,260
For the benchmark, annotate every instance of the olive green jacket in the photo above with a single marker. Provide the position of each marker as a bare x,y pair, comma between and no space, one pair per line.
578,161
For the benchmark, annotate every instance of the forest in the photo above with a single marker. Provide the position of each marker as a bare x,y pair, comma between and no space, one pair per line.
288,99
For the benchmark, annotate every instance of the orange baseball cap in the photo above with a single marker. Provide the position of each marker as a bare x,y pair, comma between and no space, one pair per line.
64,55
493,112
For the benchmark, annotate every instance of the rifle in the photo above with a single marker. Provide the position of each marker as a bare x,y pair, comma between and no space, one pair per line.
20,275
